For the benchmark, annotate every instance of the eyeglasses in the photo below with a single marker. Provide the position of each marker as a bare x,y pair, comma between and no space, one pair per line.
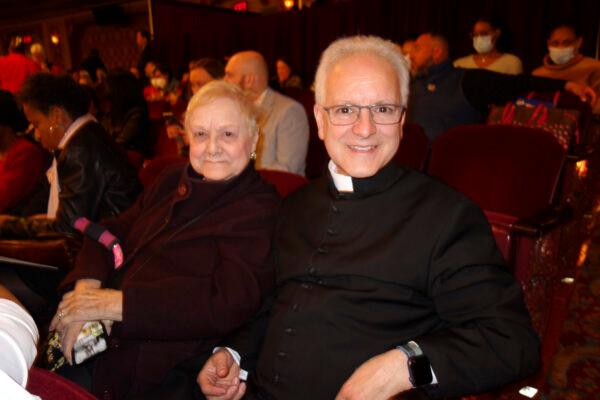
381,114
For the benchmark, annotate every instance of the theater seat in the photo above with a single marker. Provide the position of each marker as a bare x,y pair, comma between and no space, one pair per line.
50,386
284,182
154,167
512,173
414,147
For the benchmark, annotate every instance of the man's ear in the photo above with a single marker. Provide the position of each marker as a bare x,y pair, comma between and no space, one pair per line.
55,114
248,81
319,116
402,121
578,44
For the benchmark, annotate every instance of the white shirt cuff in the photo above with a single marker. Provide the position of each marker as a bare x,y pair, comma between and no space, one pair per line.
238,360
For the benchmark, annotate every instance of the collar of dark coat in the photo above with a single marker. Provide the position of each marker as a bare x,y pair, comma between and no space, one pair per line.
365,187
190,179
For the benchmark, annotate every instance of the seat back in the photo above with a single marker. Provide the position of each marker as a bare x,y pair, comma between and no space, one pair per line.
505,169
284,182
50,386
414,147
154,167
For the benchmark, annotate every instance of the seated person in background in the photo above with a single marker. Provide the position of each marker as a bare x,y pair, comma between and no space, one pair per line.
163,86
22,162
442,96
196,247
18,346
485,36
127,118
283,141
377,266
564,60
90,175
201,72
285,76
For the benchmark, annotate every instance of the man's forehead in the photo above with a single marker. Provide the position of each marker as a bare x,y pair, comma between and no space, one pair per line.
562,33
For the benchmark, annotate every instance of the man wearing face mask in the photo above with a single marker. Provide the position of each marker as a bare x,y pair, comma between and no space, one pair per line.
485,36
442,96
564,61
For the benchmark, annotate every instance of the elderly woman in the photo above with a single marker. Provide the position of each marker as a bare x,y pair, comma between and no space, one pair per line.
89,177
196,246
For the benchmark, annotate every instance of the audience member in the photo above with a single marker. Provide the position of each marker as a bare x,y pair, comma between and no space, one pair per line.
38,55
18,347
486,33
387,279
94,65
283,140
564,60
201,72
163,86
285,76
22,162
196,247
442,96
127,119
16,66
89,177
142,39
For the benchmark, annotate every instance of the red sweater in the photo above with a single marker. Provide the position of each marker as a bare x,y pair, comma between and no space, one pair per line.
20,169
14,69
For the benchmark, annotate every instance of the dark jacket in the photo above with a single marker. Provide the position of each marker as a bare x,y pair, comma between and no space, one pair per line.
183,289
130,131
402,258
96,181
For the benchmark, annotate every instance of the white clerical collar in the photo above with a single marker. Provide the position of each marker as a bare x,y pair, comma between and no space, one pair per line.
259,100
74,127
343,183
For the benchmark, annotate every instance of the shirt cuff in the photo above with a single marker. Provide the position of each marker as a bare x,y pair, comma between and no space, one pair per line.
238,360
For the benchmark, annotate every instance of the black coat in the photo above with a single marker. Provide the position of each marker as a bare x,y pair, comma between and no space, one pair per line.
96,181
402,258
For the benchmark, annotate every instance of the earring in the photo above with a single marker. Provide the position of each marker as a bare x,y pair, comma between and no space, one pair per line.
51,129
253,155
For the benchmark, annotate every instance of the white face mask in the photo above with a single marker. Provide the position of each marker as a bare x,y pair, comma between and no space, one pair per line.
159,83
483,44
561,55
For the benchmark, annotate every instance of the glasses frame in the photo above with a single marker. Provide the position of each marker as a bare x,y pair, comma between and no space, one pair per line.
370,108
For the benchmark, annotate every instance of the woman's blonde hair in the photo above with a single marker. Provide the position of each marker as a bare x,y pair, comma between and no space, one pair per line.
220,89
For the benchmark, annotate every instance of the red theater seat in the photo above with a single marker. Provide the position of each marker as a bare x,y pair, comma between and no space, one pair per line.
512,173
50,386
284,182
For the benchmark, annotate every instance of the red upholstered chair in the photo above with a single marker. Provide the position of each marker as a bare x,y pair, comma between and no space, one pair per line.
162,144
50,386
512,173
414,147
284,182
154,167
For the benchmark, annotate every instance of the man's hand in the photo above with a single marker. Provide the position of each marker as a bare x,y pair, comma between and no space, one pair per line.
219,378
584,92
379,378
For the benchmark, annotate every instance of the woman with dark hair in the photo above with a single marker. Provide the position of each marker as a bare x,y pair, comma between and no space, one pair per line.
285,75
127,119
22,162
89,177
486,34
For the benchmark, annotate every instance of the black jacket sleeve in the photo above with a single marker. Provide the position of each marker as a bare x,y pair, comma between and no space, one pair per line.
482,88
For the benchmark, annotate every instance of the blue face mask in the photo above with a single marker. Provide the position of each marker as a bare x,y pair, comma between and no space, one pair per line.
561,55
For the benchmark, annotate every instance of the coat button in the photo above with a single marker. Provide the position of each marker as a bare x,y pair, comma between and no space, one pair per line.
276,378
182,189
281,354
295,307
330,232
312,270
289,331
322,250
335,209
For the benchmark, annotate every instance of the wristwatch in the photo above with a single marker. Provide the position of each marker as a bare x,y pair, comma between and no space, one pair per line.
419,368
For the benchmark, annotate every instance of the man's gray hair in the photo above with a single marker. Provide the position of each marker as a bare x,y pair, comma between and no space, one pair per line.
372,45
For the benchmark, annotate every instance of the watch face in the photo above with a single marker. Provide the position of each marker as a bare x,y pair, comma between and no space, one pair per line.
420,371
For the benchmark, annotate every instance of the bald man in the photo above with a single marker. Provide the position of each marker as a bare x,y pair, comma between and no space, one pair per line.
442,96
283,141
